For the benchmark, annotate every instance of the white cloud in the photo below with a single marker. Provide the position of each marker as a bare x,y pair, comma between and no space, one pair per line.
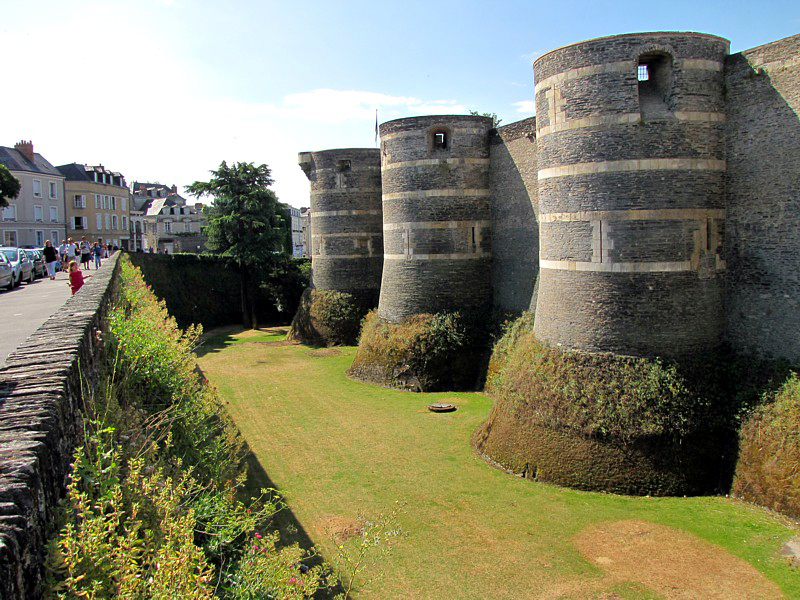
526,107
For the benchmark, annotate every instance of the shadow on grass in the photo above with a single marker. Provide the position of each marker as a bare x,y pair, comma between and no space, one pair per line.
219,339
285,521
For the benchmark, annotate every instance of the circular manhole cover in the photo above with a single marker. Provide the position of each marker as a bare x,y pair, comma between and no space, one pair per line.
441,407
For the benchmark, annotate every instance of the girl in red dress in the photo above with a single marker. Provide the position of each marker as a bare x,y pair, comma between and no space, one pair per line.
76,277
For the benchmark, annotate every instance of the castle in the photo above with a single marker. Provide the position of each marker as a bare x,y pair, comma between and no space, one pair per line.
649,209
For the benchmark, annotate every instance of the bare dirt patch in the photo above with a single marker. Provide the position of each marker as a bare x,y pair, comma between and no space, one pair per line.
672,563
339,528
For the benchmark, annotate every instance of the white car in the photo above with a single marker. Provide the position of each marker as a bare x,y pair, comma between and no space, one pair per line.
6,273
22,265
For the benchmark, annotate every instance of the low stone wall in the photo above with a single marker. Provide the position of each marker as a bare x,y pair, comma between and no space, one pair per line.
42,390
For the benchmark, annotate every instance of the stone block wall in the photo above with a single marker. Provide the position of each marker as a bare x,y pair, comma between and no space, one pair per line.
630,261
436,215
515,226
42,392
763,191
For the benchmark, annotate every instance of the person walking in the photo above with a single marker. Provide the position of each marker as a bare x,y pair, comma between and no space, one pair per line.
86,253
98,254
50,259
62,253
70,254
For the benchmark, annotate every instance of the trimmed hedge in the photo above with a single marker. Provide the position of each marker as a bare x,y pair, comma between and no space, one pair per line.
206,288
616,423
330,318
425,353
768,470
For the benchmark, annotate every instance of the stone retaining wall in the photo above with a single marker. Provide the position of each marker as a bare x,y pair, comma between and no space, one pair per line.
42,390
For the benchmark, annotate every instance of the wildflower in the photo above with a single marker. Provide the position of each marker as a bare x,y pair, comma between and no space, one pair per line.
292,580
258,535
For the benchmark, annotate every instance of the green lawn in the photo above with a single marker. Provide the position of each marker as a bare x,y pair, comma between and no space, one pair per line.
336,448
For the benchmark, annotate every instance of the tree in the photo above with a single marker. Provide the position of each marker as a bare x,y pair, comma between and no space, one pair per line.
9,186
246,223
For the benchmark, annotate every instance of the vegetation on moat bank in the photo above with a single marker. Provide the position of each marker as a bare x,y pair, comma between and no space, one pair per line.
155,505
616,423
768,469
424,353
330,318
336,448
206,288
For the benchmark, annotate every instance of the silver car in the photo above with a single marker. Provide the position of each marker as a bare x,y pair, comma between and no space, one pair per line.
22,265
6,273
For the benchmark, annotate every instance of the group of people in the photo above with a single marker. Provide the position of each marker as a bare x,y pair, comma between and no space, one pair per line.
69,253
84,251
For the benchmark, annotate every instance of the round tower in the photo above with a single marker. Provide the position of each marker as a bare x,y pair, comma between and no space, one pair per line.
436,215
346,223
631,167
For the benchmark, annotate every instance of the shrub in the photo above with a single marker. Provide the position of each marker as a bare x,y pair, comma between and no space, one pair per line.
330,318
768,470
423,353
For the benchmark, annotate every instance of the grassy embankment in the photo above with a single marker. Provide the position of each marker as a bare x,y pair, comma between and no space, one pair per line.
337,448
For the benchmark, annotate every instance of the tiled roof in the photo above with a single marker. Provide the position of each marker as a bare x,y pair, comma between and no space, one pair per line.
16,161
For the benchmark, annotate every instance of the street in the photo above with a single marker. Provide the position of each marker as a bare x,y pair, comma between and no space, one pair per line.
25,308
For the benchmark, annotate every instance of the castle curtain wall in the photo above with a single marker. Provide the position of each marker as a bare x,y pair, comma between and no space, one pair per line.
763,193
515,226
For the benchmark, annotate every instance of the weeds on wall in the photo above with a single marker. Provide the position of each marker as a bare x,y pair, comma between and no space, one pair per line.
425,352
155,506
329,318
768,470
619,423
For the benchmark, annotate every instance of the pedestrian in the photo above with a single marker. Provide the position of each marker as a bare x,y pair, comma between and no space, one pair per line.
62,253
86,253
71,252
50,259
98,254
76,278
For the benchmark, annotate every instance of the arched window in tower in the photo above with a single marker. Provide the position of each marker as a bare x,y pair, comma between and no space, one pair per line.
654,74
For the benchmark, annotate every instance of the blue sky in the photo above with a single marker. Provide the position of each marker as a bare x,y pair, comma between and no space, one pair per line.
163,90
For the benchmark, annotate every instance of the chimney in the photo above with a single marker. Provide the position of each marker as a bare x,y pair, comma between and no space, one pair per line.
174,189
26,148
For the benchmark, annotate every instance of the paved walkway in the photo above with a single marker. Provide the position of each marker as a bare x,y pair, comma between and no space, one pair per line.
25,308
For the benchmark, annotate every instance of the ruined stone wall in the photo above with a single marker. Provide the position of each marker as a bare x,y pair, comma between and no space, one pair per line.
436,215
346,219
42,390
515,226
631,194
763,189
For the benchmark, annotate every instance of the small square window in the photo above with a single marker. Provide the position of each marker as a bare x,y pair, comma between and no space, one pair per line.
343,166
643,73
440,140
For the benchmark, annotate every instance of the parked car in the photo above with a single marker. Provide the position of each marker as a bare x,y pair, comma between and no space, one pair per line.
37,259
22,265
6,273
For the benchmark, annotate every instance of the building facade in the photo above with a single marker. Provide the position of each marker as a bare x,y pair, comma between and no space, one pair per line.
37,213
168,224
97,204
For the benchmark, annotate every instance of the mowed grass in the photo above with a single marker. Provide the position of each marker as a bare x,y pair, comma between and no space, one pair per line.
337,448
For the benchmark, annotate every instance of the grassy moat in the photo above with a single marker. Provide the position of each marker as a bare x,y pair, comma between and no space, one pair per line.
337,448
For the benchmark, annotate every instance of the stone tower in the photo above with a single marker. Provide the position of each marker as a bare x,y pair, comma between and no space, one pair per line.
631,166
347,235
436,215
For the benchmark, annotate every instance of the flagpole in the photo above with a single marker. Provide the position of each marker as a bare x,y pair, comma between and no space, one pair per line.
376,129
